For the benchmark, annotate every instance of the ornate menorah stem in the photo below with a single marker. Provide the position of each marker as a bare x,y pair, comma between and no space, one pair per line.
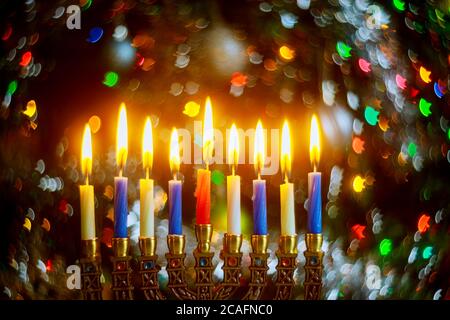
121,274
258,267
203,262
91,287
232,256
176,269
287,262
313,266
148,269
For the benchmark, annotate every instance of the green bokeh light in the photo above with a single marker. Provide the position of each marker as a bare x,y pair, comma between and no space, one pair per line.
399,5
111,79
217,177
385,247
424,107
12,87
427,252
412,149
371,115
343,50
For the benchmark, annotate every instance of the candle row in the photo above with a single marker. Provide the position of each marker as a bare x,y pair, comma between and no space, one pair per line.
203,187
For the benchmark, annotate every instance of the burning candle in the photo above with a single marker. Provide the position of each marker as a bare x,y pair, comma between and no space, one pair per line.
203,190
287,188
314,181
146,185
175,189
259,185
121,183
87,190
233,186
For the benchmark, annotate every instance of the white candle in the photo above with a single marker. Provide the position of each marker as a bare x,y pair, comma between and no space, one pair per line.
87,191
147,223
287,188
233,186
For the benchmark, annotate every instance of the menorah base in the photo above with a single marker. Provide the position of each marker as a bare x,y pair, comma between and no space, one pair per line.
121,273
258,267
176,269
91,272
148,271
313,267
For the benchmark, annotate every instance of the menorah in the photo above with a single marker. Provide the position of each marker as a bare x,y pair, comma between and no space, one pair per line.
204,287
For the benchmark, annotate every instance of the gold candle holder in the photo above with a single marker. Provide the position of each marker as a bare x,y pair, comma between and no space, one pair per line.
148,269
232,256
287,263
91,287
121,274
258,267
176,269
313,266
203,262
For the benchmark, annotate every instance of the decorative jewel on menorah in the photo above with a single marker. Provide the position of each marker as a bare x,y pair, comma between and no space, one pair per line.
91,287
313,266
287,263
176,269
232,256
121,273
203,262
148,269
258,267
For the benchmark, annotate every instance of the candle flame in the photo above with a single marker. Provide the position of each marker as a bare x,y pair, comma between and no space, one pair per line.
233,147
147,145
286,160
86,152
314,143
174,152
259,149
208,133
122,138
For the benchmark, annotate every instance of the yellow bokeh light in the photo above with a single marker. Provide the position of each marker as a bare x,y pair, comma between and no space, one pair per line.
191,109
287,53
358,184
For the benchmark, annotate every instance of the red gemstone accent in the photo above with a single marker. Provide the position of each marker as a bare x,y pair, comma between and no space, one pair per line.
121,266
285,262
232,261
175,263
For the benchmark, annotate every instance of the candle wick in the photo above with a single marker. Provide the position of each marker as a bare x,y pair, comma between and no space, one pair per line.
233,170
286,179
87,179
120,172
175,176
259,175
207,165
147,173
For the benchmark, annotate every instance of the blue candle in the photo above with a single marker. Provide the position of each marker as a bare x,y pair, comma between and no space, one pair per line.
314,181
120,207
259,207
175,207
314,202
